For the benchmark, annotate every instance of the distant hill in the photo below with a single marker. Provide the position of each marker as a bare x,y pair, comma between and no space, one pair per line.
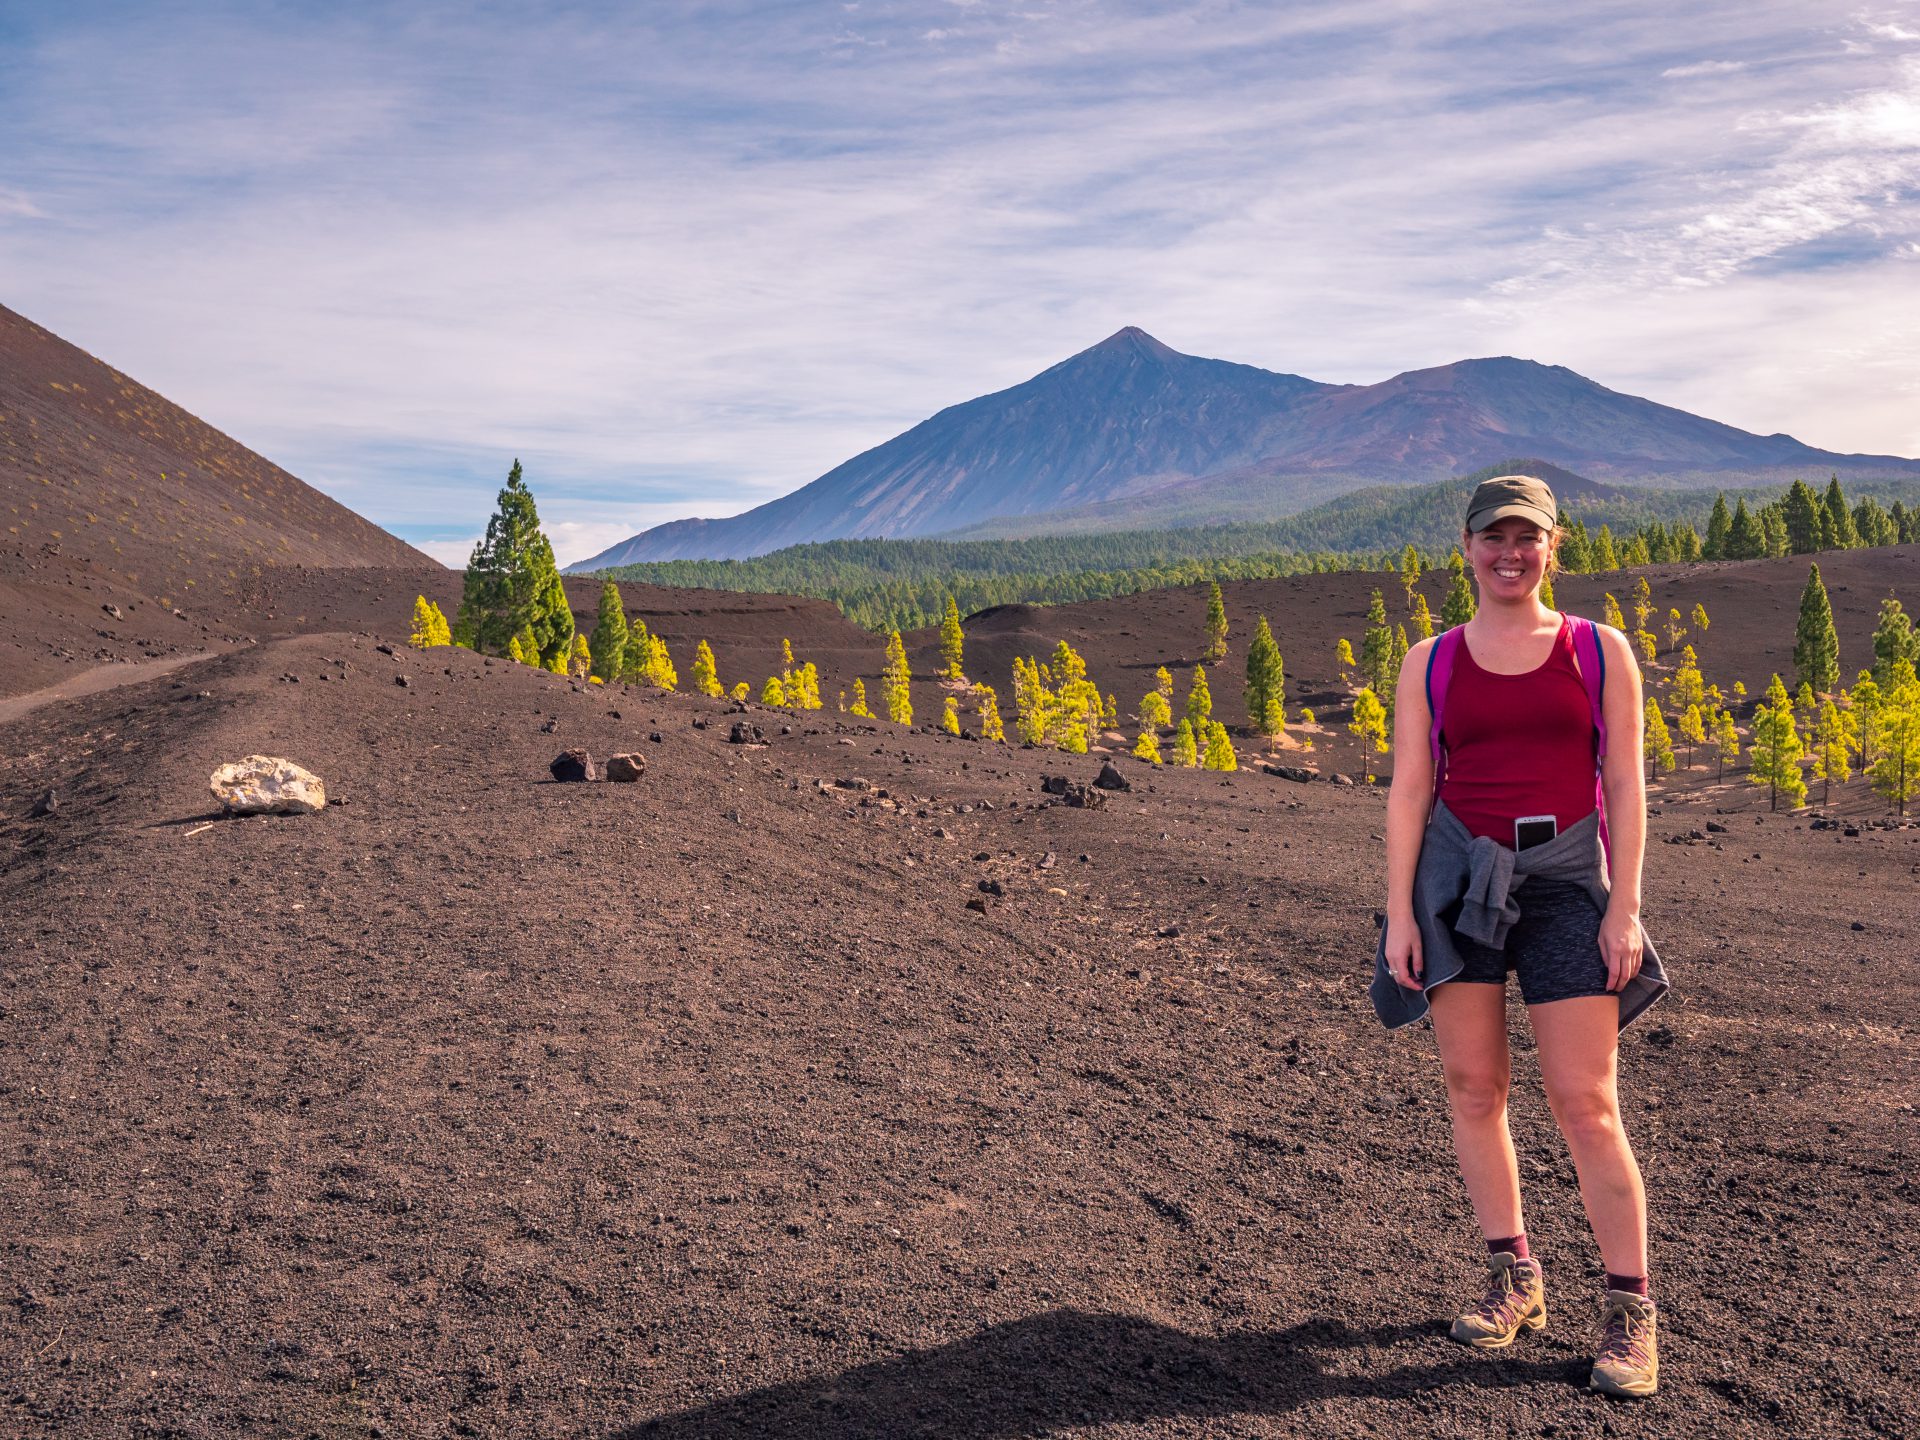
97,469
1132,434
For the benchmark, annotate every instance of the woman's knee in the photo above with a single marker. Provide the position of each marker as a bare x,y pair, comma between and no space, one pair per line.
1587,1113
1478,1094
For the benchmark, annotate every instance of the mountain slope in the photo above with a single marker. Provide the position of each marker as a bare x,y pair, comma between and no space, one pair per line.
1132,434
1113,419
105,472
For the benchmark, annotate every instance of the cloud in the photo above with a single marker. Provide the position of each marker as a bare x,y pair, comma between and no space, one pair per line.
1702,67
682,259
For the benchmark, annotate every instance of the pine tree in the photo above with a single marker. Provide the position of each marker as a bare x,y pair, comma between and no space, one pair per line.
636,658
1832,749
660,669
1642,602
1693,730
741,690
859,706
1895,772
895,676
1184,751
1370,724
773,692
514,652
1423,617
988,708
1659,744
1216,624
528,647
1689,686
1775,753
1746,537
1397,659
1456,609
1699,618
1409,571
429,625
512,585
1845,535
1199,698
1864,704
1894,638
1611,608
1676,628
1688,547
1719,526
1110,713
950,717
1726,741
1376,646
1266,674
1073,739
1802,508
1219,749
1273,722
1344,654
1816,647
580,658
562,662
952,641
1163,682
706,675
1605,558
1154,711
1147,747
609,643
1635,552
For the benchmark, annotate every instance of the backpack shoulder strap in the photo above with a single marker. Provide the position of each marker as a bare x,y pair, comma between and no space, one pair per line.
1593,675
1439,673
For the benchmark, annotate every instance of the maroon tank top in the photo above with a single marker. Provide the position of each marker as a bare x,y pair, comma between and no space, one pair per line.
1518,744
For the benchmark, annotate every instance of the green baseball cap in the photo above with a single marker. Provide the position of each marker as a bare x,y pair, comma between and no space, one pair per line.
1505,495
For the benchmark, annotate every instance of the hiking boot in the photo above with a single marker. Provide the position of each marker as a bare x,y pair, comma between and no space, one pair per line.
1516,1296
1629,1359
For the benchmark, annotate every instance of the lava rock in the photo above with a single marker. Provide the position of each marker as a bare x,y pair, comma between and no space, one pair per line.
572,766
402,681
744,733
1111,779
267,784
1337,779
48,802
1299,774
992,887
626,768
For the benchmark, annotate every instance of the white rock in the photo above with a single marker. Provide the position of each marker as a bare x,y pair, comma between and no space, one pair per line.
268,784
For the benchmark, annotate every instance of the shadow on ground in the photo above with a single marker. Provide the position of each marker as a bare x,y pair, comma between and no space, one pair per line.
1073,1368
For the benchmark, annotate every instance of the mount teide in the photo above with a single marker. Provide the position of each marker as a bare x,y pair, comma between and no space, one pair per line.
1133,433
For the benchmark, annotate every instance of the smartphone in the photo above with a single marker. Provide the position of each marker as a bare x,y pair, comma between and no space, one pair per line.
1532,830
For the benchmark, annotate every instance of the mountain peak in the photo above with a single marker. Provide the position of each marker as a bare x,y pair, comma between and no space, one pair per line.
1129,341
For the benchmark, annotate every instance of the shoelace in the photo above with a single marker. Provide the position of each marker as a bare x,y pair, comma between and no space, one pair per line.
1624,1336
1505,1298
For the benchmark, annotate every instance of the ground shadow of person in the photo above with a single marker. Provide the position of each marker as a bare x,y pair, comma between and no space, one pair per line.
1071,1367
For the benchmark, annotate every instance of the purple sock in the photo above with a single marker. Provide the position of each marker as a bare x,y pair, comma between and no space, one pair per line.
1635,1283
1514,1245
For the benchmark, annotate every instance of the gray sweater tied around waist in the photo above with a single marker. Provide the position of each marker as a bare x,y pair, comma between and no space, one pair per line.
1472,881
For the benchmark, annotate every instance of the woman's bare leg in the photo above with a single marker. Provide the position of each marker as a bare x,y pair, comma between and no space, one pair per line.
1579,1044
1470,1024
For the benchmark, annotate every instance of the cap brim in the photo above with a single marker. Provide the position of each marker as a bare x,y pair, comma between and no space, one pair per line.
1480,520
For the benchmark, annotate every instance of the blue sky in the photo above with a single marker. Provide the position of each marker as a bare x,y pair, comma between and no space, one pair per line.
681,258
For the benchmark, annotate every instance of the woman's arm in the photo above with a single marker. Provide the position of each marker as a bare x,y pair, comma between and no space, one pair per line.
1408,802
1623,782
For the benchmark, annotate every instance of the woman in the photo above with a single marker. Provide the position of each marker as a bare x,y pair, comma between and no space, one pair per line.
1500,866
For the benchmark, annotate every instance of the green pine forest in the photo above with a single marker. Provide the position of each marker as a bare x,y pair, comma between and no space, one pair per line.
886,585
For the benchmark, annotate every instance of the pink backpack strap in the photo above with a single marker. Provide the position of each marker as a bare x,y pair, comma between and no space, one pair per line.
1439,673
1593,674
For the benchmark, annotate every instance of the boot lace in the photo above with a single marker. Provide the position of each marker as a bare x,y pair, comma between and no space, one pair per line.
1624,1335
1506,1299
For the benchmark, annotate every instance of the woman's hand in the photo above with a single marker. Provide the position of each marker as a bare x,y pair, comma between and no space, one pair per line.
1404,961
1620,945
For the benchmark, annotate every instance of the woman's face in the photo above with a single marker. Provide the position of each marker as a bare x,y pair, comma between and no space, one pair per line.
1509,557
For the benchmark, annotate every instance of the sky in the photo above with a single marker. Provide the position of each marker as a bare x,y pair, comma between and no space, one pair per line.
681,258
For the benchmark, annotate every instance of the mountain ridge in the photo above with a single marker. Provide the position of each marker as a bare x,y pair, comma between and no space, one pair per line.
1133,430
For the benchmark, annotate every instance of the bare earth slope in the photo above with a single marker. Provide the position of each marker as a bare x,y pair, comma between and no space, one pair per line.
705,1106
113,495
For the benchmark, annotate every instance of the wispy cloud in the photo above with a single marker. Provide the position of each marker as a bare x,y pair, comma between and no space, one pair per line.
684,257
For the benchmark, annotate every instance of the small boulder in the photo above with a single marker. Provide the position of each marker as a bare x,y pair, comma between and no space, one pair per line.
572,766
552,727
48,802
1339,779
1299,774
1084,797
745,733
268,785
626,768
1054,784
1111,779
114,611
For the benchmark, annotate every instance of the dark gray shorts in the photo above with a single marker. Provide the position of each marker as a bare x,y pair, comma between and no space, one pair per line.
1554,947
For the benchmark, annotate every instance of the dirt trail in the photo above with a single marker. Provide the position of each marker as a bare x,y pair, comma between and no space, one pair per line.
92,682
